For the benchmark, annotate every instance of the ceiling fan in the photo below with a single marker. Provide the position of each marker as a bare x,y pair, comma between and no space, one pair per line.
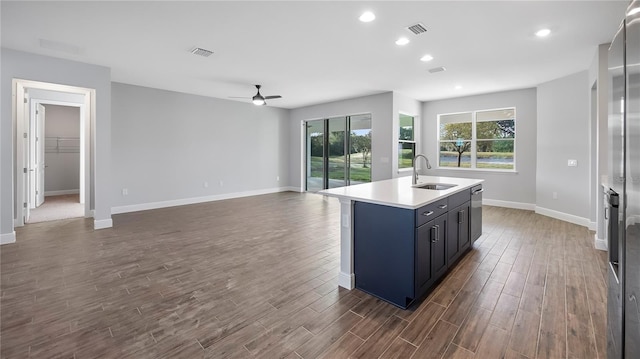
258,99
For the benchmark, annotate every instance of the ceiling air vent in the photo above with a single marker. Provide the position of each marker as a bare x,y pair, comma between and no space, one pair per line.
437,69
417,29
201,52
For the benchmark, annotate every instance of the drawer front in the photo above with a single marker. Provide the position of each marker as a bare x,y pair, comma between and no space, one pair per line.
431,211
459,198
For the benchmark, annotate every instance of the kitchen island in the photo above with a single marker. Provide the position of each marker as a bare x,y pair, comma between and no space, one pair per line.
397,239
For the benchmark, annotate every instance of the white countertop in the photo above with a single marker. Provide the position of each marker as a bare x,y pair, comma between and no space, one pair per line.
398,192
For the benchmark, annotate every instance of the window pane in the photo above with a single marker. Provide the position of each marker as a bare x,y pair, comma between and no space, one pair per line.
456,117
360,156
496,129
315,150
455,154
406,128
497,154
406,152
337,165
455,131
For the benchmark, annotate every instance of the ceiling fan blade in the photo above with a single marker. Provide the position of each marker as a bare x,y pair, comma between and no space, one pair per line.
272,97
244,97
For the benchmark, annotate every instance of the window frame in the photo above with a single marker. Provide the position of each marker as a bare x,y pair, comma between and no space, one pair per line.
400,142
474,139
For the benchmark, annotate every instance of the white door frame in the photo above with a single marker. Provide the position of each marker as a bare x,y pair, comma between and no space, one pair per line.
21,125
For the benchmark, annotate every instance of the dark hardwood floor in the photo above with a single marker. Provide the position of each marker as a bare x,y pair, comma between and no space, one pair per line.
257,278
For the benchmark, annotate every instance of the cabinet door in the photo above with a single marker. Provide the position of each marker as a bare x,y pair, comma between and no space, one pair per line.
453,232
423,258
438,236
464,234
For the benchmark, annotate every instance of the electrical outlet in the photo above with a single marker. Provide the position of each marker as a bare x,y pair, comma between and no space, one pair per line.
205,184
555,195
221,183
125,191
278,178
572,163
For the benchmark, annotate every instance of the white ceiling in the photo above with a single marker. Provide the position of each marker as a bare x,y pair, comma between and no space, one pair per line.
317,51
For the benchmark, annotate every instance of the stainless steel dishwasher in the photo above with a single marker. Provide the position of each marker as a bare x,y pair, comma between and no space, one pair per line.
476,212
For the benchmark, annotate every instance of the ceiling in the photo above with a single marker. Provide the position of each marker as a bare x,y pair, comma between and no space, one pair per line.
313,52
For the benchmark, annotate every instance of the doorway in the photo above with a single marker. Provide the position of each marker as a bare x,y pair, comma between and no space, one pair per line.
32,143
338,152
56,162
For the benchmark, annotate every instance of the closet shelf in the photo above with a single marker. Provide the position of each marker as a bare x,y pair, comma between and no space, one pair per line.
62,145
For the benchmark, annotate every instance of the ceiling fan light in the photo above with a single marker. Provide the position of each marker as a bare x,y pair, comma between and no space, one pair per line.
258,101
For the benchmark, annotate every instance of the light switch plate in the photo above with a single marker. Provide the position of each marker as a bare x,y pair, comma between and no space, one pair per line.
572,163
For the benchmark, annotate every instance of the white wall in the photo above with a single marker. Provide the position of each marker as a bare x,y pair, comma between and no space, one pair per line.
63,168
518,188
166,145
563,134
408,106
381,109
22,65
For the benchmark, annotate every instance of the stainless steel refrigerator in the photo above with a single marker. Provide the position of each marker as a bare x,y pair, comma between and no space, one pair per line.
623,312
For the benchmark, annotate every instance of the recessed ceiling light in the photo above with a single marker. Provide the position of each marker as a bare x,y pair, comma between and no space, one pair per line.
367,16
402,41
426,58
458,87
543,33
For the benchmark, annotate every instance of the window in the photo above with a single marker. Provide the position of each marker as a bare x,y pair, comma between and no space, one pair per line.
338,151
478,140
406,141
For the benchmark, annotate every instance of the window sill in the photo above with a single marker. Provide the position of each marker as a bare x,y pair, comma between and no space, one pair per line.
506,172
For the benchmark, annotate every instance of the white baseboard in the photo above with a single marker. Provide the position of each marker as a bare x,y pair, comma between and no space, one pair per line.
194,200
60,193
102,223
632,220
581,221
593,226
7,238
346,280
508,204
293,189
600,243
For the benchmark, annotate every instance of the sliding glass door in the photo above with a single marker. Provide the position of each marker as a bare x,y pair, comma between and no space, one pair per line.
315,155
338,152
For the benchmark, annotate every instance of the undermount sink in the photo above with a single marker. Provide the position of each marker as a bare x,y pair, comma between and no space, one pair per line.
434,186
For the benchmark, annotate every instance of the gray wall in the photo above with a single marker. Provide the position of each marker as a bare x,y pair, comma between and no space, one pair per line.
517,187
22,65
63,168
166,145
381,109
563,133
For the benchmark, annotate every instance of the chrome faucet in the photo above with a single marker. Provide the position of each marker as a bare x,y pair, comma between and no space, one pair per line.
415,162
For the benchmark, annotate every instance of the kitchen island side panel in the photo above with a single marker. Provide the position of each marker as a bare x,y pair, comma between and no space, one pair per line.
384,251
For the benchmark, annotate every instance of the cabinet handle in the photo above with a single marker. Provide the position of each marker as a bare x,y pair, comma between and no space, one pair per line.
606,213
427,213
442,206
461,217
478,191
433,234
437,232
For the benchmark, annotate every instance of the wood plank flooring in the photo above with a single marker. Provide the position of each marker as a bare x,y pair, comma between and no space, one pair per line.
256,277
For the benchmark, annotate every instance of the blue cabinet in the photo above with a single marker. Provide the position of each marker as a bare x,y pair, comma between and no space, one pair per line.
400,254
